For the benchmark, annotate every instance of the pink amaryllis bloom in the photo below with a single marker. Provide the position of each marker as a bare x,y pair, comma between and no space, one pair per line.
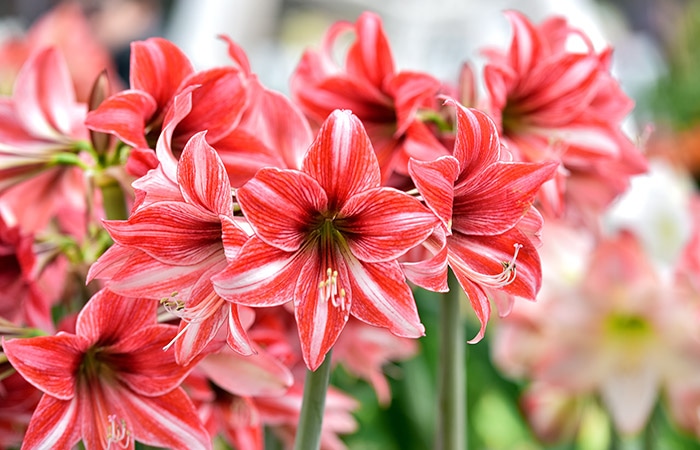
41,130
615,327
333,251
110,383
385,99
170,247
553,103
485,205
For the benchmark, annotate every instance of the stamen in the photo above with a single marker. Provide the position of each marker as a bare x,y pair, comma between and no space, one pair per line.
196,313
117,433
500,280
328,289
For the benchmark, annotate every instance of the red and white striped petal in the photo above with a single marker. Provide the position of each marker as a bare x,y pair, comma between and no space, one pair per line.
168,420
496,199
261,275
54,424
382,298
435,182
172,232
382,224
202,177
476,144
48,362
341,159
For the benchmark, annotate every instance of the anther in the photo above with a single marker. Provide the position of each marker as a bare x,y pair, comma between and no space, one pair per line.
117,432
328,289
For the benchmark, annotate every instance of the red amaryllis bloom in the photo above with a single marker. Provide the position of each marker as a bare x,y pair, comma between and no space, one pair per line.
110,383
552,103
482,209
168,249
29,283
18,399
369,85
327,237
158,72
40,130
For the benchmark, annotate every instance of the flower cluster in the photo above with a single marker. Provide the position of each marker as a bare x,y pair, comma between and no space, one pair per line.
224,235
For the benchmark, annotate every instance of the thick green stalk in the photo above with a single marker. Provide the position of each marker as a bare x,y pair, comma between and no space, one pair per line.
113,200
311,418
451,373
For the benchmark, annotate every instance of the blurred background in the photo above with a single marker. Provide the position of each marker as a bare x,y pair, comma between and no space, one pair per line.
656,59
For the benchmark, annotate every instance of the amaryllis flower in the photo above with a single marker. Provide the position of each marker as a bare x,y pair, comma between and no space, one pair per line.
386,100
29,284
249,125
619,329
110,383
41,128
169,248
553,103
483,203
18,399
328,238
158,72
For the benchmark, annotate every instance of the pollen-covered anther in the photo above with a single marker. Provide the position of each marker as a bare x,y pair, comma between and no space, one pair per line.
117,433
502,279
329,291
173,304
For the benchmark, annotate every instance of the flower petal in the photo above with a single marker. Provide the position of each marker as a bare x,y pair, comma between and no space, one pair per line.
495,200
382,224
158,67
202,177
261,275
435,182
125,115
341,159
169,420
254,375
382,298
476,144
48,362
172,232
108,317
141,363
55,424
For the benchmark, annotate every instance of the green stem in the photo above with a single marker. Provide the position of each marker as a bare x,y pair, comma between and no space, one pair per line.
451,373
311,417
113,200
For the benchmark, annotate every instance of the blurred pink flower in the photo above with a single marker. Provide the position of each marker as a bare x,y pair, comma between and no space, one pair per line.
619,329
41,134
